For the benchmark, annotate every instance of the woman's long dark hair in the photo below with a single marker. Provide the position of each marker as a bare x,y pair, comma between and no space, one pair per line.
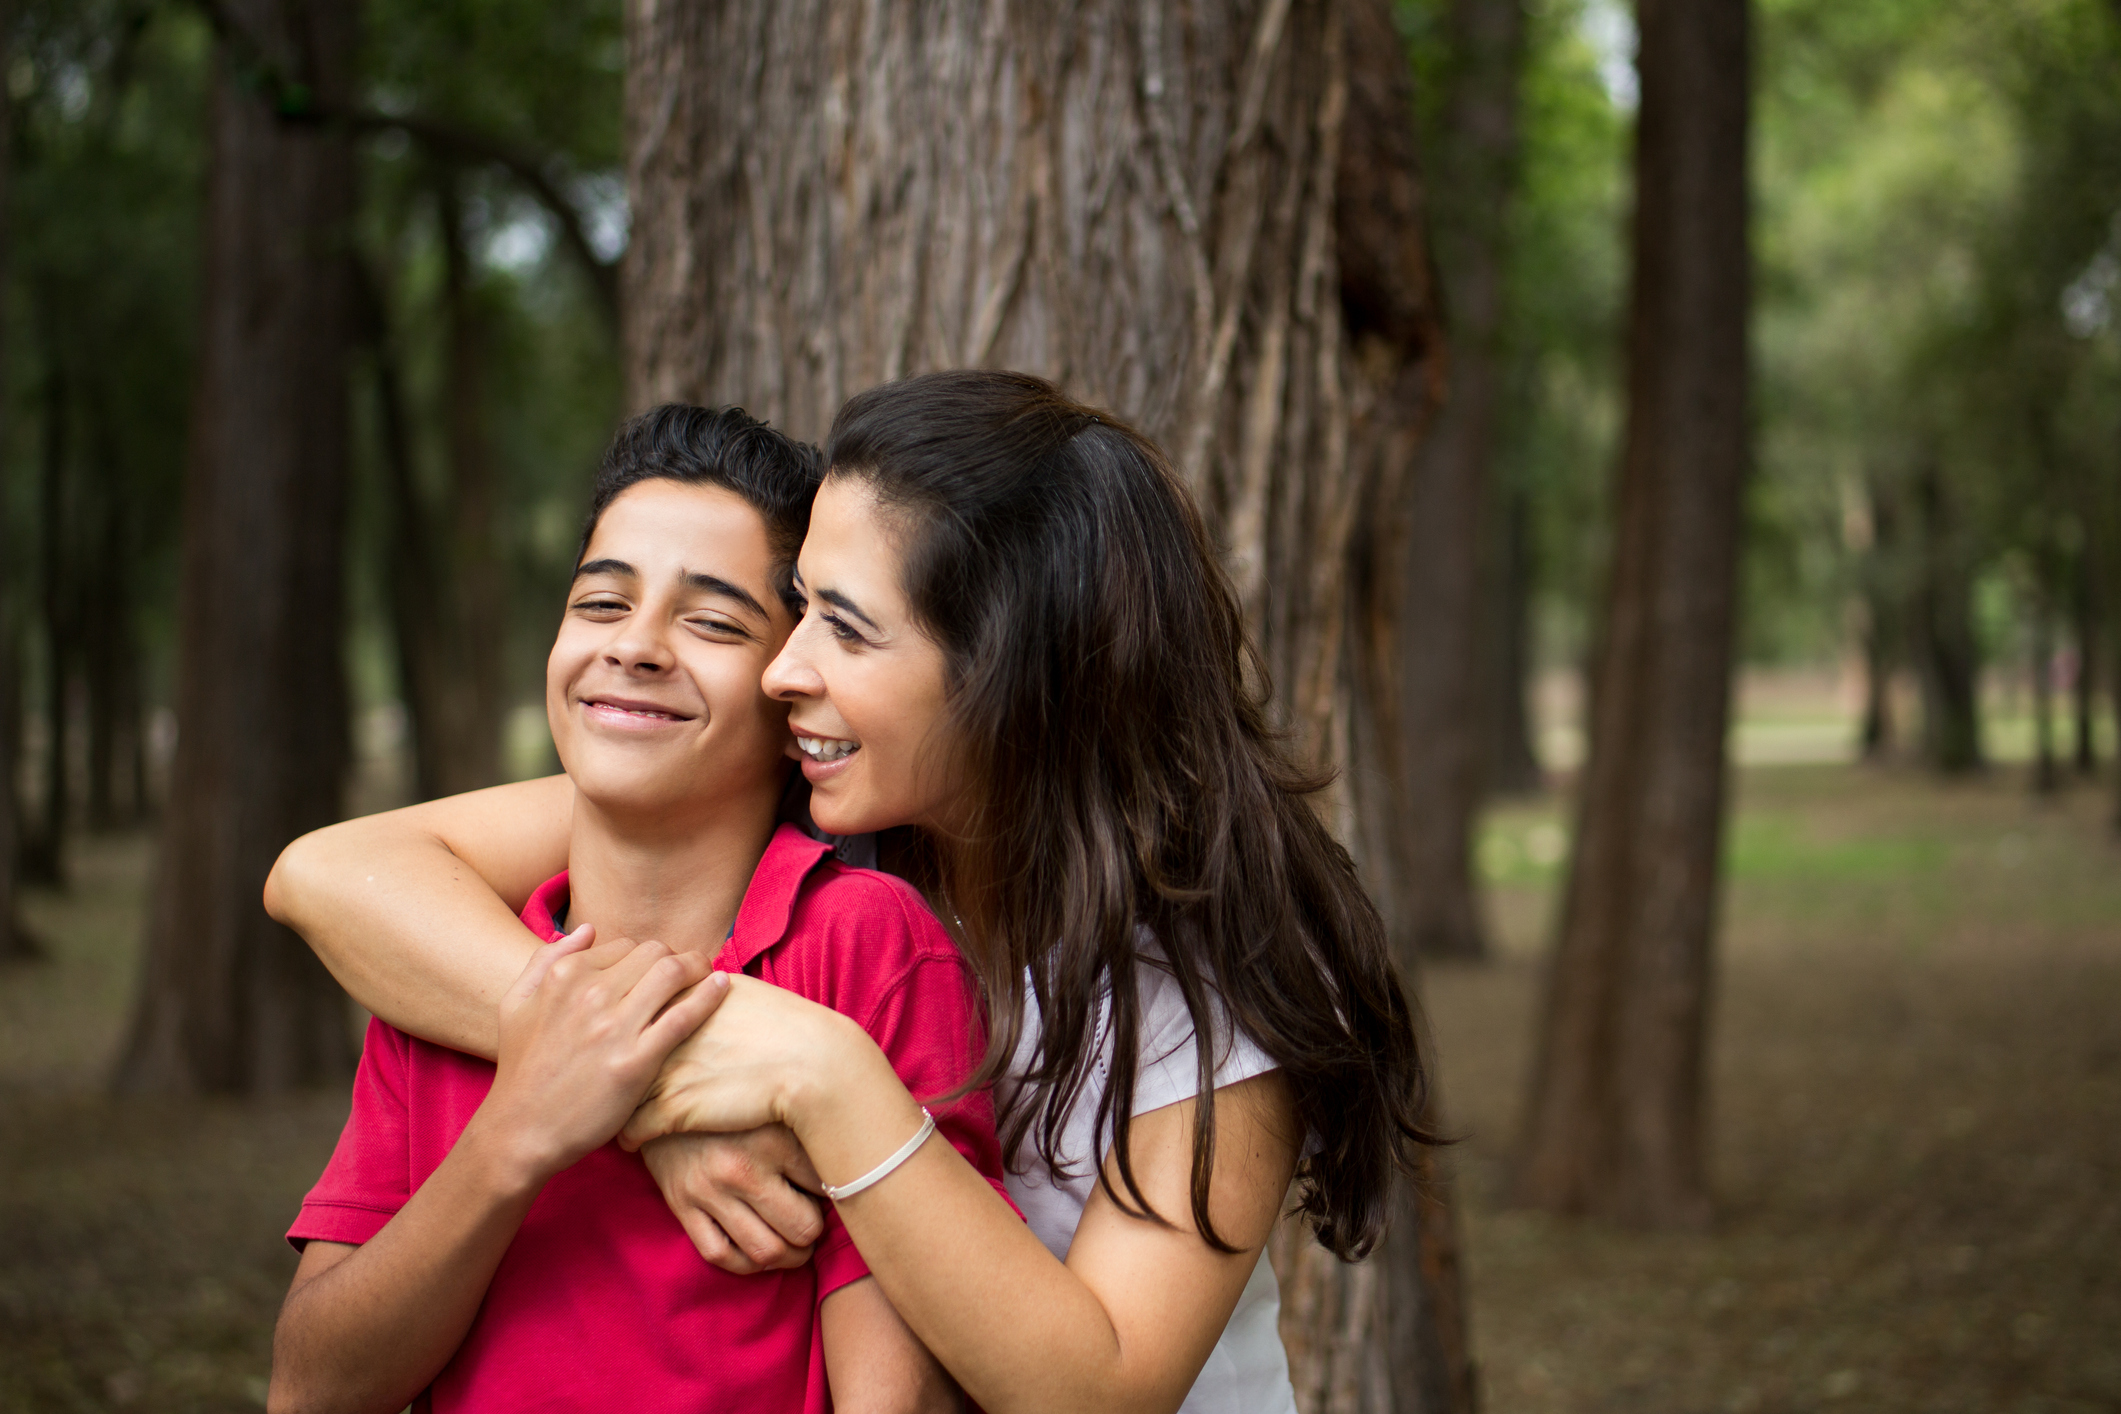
1124,778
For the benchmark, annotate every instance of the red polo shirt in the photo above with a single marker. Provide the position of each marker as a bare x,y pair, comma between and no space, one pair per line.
601,1303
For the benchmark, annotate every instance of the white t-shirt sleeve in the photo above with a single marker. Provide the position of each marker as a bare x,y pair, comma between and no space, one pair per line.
1169,1068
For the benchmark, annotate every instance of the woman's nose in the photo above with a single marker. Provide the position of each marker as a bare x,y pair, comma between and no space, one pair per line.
790,675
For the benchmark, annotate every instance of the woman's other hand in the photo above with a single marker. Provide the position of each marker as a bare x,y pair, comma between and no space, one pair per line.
762,1056
746,1200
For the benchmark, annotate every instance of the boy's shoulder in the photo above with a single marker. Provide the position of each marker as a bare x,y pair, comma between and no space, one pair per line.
844,936
870,904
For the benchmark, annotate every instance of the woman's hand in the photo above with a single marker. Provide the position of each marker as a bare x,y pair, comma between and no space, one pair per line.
745,1200
756,1061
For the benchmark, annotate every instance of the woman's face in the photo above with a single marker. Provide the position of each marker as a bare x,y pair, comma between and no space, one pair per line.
864,685
652,686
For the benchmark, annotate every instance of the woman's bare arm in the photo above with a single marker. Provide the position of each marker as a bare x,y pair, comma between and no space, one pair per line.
1122,1327
414,910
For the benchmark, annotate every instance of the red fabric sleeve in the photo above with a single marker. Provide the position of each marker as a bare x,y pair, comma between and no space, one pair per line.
887,963
369,1177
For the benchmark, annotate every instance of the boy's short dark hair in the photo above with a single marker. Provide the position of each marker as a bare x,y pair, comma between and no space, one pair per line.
776,475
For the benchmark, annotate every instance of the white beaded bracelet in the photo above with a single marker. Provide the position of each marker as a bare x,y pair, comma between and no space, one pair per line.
883,1170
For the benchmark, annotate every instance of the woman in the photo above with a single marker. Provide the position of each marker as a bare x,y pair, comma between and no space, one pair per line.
1019,659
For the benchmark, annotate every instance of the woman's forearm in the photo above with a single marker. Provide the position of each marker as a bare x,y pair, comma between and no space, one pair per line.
1126,1324
414,910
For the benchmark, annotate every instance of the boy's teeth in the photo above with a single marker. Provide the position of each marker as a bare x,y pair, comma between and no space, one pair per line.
819,749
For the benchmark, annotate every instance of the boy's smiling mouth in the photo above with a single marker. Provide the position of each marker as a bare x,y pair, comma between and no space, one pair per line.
631,711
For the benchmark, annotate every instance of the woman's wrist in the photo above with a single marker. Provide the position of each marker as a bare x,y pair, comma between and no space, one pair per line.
850,1110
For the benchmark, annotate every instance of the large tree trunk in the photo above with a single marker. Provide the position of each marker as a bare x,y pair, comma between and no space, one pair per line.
1158,205
1616,1113
1441,657
229,1000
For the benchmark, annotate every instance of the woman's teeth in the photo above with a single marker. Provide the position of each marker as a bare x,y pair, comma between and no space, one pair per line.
820,749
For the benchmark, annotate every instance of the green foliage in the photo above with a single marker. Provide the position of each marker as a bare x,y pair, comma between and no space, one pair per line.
1567,286
108,178
1932,179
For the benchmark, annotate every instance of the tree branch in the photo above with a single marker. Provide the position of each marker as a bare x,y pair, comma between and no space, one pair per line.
295,102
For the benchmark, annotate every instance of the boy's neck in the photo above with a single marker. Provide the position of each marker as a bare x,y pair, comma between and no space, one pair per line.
679,885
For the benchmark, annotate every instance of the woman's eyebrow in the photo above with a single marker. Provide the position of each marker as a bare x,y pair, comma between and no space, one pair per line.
840,601
619,567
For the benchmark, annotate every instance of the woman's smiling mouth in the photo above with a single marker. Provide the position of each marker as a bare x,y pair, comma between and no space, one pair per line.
825,750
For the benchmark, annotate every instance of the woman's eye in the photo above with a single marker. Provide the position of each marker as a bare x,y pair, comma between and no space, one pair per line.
601,606
841,631
721,628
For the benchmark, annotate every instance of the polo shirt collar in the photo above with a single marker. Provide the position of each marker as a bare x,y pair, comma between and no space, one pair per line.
769,901
761,919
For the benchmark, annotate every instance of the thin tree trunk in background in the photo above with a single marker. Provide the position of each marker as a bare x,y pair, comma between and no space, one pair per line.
1148,203
2084,637
410,562
1948,661
467,755
1615,1122
110,651
1442,711
1512,762
1881,623
229,1000
44,851
16,942
2047,771
448,611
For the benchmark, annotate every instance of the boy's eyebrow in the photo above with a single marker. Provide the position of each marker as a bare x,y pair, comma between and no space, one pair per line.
606,567
714,584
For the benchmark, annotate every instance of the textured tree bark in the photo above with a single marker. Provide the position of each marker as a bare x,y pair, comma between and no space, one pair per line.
1160,206
1616,1114
230,1001
1947,657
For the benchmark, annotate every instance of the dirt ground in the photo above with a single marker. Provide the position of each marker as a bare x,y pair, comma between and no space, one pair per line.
1917,1113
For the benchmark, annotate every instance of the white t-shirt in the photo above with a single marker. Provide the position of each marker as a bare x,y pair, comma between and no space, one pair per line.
1247,1372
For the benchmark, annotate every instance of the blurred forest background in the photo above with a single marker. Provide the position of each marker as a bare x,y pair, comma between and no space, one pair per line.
1914,1078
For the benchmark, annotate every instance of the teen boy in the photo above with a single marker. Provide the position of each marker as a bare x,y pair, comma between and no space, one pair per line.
477,1241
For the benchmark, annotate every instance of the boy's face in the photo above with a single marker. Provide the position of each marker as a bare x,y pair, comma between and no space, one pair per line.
652,687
